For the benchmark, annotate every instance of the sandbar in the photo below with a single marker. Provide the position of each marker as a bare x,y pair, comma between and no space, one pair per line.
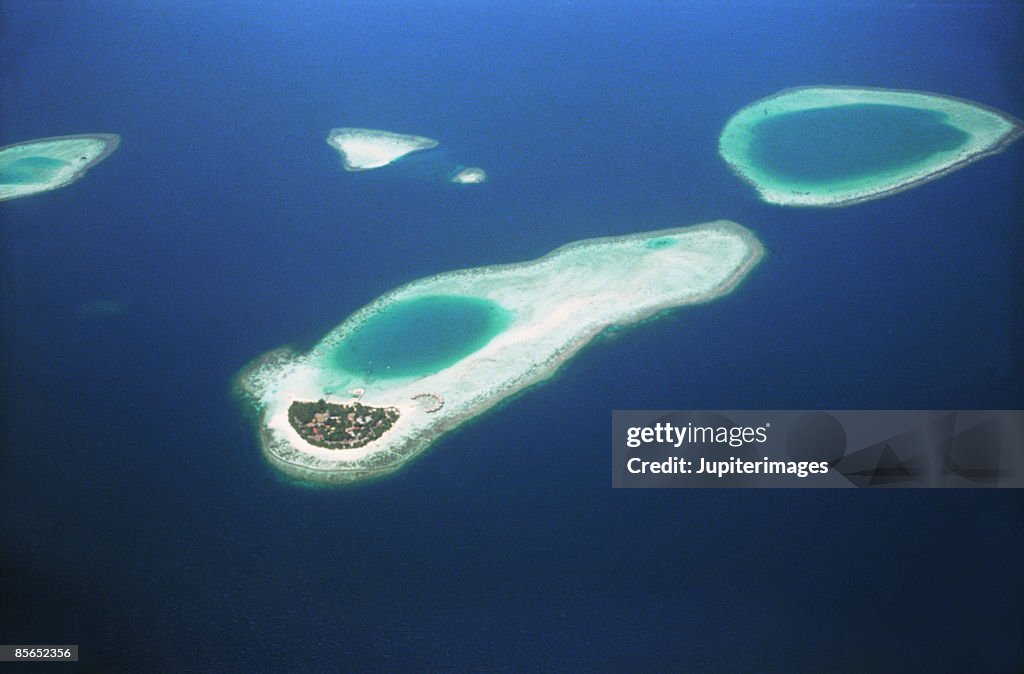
45,164
980,131
364,149
470,176
557,305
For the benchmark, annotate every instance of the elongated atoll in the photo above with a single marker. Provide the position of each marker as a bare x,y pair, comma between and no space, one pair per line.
529,319
45,164
364,149
838,146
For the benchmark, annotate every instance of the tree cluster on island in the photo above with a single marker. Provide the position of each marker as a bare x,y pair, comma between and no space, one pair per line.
344,426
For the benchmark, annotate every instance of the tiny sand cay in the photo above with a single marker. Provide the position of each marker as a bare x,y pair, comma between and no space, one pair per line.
365,149
46,164
425,358
838,146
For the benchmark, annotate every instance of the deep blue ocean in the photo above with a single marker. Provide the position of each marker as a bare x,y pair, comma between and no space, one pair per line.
139,519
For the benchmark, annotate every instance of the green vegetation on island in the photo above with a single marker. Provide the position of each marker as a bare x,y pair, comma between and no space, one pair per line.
345,426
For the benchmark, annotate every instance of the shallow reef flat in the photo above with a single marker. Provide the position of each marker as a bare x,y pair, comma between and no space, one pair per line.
45,164
550,309
839,146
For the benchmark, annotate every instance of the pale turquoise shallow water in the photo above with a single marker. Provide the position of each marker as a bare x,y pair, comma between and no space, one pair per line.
829,144
29,170
420,336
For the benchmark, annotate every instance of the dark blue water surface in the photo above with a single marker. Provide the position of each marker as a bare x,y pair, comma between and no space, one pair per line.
139,519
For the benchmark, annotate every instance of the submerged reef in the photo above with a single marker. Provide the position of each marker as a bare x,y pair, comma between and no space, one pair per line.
838,146
528,320
45,164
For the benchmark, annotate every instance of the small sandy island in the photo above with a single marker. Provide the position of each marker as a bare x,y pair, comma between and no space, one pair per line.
839,146
364,149
46,164
364,426
470,176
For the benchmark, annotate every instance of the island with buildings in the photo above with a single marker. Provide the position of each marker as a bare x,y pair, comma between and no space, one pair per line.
429,356
340,426
839,146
